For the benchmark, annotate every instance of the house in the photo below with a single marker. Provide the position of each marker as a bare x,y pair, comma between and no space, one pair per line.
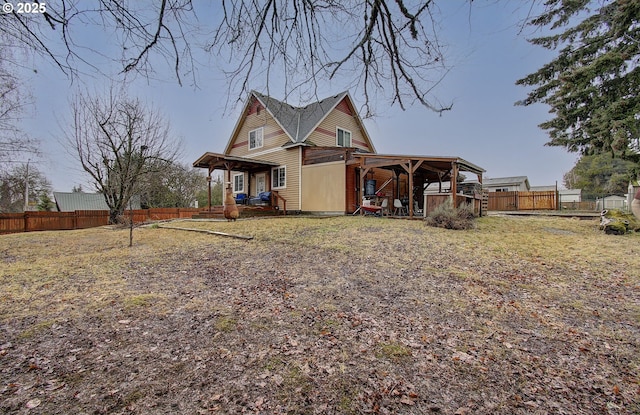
570,195
507,184
72,201
611,202
320,158
551,188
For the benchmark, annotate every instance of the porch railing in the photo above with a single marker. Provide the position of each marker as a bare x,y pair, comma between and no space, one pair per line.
276,196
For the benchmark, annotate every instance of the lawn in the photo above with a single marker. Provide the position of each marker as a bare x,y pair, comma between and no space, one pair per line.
345,315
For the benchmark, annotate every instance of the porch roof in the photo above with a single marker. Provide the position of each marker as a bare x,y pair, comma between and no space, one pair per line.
213,161
434,168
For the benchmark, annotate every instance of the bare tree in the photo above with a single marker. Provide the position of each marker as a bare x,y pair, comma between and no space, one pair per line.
175,186
14,101
118,140
382,47
18,180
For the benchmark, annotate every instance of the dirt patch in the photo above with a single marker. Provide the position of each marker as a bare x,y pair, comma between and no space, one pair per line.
342,315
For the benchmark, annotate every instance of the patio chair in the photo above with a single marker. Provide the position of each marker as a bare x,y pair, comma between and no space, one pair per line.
241,198
416,209
399,209
385,207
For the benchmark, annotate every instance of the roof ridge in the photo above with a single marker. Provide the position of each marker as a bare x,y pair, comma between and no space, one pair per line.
299,122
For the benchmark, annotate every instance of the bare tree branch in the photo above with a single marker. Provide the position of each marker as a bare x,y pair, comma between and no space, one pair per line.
118,140
386,47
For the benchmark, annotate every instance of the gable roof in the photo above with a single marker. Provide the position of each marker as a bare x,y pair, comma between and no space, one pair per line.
506,181
299,122
70,202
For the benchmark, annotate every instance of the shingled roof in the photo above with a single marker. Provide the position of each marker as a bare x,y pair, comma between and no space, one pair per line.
299,122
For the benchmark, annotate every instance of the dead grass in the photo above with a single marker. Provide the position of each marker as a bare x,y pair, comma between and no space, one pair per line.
342,315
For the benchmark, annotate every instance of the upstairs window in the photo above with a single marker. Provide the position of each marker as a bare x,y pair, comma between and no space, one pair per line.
343,138
279,177
255,138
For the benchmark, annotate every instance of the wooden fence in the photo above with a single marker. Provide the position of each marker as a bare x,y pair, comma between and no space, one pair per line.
523,200
81,219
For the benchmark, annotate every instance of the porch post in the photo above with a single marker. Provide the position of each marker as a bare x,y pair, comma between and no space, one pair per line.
454,184
363,174
209,191
410,189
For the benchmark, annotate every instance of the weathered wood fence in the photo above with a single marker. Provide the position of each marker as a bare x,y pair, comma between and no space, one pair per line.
547,200
81,219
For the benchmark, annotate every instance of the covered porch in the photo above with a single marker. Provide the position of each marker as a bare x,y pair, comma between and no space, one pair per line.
411,175
217,161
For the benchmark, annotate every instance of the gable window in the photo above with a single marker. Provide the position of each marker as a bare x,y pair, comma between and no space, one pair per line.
279,177
343,138
238,183
255,138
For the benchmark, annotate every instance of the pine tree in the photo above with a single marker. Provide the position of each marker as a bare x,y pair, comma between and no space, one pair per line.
45,203
593,85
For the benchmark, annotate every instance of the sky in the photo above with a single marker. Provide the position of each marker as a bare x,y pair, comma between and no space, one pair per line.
486,50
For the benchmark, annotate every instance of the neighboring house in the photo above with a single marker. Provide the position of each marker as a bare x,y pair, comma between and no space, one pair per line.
570,195
611,202
507,184
552,188
72,201
319,158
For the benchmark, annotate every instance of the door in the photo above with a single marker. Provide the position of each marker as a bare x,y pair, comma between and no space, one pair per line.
261,183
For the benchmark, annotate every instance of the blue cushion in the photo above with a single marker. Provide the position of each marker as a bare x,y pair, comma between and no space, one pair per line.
265,196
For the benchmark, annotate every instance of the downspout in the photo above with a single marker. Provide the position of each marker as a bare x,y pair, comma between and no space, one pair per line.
299,165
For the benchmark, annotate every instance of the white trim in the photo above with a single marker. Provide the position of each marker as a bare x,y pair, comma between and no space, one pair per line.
273,176
264,176
233,183
255,130
344,131
300,184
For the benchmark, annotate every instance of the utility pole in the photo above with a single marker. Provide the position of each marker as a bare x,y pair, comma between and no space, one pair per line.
26,188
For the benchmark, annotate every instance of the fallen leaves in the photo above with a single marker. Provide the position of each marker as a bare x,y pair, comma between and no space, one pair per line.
313,317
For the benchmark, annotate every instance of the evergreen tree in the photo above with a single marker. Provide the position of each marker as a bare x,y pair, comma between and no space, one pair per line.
593,85
599,175
45,204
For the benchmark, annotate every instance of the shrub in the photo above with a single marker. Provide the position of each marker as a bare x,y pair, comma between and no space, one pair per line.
448,217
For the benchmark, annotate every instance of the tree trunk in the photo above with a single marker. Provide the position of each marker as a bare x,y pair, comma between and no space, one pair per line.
114,216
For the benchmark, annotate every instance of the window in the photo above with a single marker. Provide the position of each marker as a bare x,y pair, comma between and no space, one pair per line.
255,138
502,189
279,177
238,183
343,138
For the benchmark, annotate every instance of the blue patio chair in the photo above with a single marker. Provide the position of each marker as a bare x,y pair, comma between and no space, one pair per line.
241,198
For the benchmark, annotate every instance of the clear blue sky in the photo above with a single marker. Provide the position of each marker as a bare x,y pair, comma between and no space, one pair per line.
487,53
